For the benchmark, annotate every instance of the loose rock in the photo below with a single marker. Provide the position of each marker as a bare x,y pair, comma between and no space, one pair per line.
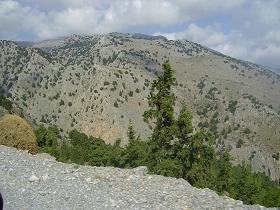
100,188
33,178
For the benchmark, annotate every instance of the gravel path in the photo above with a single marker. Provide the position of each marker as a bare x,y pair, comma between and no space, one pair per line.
39,182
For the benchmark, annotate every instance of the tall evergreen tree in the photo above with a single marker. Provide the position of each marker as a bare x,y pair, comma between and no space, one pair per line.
131,134
136,151
161,100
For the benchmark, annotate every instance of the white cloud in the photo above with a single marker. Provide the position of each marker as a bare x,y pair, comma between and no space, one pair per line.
15,19
255,37
61,17
62,4
268,56
67,22
127,13
234,43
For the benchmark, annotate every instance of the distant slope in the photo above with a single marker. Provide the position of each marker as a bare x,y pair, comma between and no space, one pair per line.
97,83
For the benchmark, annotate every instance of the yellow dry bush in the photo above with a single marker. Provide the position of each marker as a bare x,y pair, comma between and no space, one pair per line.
16,132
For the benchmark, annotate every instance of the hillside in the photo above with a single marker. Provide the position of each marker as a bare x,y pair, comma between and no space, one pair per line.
97,83
39,182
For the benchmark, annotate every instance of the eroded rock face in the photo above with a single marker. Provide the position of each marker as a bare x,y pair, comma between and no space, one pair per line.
97,83
55,185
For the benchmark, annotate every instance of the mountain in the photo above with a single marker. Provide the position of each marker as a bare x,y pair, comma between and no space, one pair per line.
97,83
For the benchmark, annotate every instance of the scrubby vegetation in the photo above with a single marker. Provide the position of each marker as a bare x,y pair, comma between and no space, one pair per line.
5,103
16,132
47,137
173,149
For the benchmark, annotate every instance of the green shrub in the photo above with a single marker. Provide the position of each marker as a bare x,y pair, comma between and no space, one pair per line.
226,118
232,106
61,103
130,93
247,131
276,155
106,83
6,103
47,137
239,143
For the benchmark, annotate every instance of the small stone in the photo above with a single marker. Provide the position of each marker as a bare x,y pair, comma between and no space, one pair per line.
88,179
141,171
43,193
130,177
33,178
96,181
113,203
67,197
45,177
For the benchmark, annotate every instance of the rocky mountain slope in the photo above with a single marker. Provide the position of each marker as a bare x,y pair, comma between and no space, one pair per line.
97,83
39,182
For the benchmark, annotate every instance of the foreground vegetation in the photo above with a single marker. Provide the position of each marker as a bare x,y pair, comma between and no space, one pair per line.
173,149
16,132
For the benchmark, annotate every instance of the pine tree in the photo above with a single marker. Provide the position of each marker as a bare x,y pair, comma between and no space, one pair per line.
136,151
161,101
201,159
131,132
184,123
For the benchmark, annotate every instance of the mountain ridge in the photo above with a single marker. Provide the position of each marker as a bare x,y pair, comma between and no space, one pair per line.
140,36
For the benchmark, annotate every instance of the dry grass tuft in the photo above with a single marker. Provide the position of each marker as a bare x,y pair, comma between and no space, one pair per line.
16,132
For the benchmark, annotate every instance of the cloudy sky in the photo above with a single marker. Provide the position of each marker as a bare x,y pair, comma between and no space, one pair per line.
246,29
